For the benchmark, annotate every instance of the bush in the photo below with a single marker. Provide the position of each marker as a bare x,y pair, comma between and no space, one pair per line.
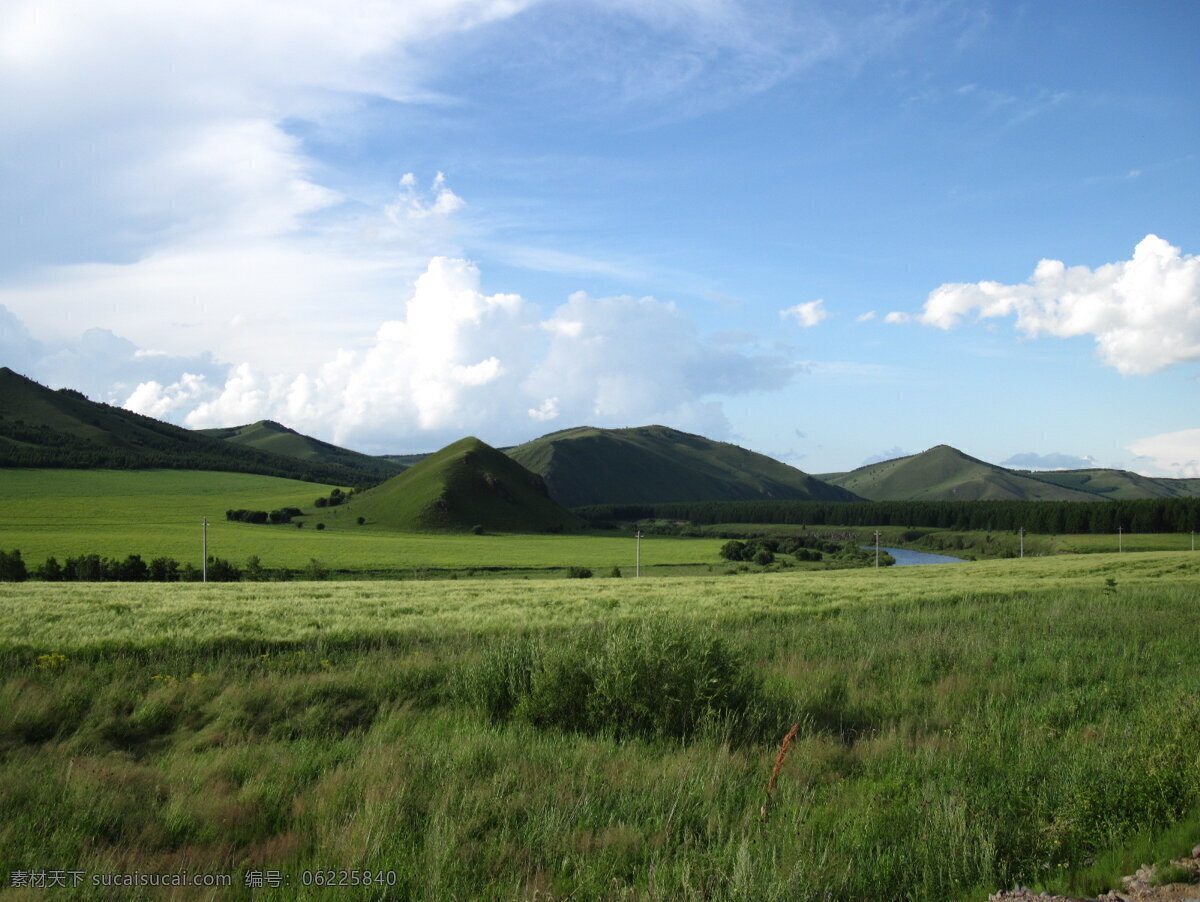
578,573
320,526
616,573
314,570
12,568
648,679
763,557
49,572
222,571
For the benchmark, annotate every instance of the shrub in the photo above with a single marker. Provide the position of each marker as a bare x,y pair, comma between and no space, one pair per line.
50,572
616,573
764,556
314,570
361,520
578,573
647,679
320,526
12,568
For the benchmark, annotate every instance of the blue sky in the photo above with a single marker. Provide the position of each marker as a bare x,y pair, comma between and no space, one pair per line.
816,230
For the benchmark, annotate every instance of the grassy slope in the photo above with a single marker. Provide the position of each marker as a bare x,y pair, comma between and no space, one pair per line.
946,474
653,463
267,435
1118,484
464,484
964,728
157,512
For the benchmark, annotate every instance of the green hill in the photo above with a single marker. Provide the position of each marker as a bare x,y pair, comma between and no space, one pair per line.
946,474
267,435
40,427
1119,484
651,464
465,484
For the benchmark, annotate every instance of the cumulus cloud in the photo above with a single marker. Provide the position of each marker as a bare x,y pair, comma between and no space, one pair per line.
1144,313
105,366
458,360
865,317
897,316
1030,460
806,315
1174,454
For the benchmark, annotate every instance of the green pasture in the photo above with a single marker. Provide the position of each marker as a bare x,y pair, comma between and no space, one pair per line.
960,729
155,513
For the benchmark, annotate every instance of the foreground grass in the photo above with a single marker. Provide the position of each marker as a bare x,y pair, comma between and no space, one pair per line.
963,727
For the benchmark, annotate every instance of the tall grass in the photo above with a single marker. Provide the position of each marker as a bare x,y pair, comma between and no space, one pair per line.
609,741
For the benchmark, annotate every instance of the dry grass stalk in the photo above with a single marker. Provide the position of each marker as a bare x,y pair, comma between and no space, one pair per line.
783,750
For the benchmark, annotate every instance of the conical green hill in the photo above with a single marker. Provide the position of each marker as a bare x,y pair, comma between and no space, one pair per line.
946,474
466,484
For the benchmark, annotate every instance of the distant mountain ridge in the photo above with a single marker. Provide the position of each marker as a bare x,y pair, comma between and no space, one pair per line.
41,427
647,464
466,484
943,473
1118,484
267,435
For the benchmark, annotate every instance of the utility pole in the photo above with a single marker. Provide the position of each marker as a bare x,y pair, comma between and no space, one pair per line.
1022,532
204,560
1193,540
638,572
1120,540
877,549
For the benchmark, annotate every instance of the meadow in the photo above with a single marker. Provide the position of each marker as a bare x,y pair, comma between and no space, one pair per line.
155,513
961,728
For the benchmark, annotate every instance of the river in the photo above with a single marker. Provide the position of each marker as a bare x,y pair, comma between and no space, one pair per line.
906,558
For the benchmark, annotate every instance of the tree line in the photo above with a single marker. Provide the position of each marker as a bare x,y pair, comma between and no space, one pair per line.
1148,515
133,569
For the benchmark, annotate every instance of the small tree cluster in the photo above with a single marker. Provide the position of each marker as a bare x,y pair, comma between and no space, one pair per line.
336,497
282,515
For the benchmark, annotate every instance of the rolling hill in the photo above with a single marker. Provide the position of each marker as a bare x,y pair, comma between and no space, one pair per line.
946,474
466,484
650,464
267,435
40,427
1118,484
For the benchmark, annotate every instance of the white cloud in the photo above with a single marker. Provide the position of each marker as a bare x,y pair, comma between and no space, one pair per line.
1174,454
1030,460
153,399
547,410
897,316
1144,313
807,315
460,361
865,317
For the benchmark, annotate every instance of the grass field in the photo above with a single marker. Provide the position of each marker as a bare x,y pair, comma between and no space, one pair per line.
962,728
115,513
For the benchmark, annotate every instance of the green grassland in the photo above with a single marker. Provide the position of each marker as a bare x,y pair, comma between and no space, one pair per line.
158,512
961,728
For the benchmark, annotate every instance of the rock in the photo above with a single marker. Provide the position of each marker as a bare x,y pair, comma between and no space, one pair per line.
1196,852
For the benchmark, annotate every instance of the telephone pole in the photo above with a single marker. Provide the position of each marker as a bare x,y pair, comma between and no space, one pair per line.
1022,532
1120,540
204,560
877,549
638,571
